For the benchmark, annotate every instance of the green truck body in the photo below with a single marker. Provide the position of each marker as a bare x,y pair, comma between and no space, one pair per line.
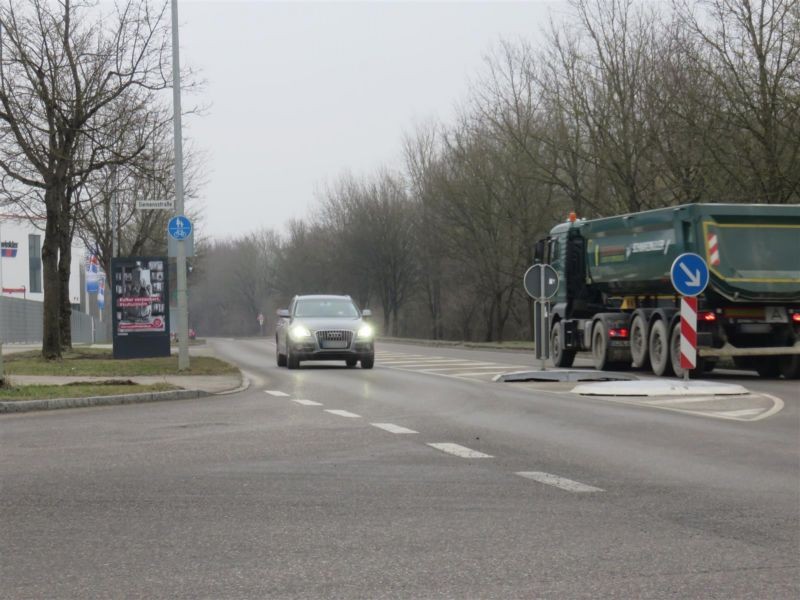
616,271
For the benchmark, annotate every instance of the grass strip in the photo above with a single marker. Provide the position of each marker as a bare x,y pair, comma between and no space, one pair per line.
79,390
99,362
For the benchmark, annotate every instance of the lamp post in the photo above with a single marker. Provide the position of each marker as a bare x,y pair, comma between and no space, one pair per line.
183,314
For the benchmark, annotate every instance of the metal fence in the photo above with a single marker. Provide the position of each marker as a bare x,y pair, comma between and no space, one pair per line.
21,322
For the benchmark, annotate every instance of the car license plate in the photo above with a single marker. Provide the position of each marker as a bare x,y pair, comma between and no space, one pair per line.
776,314
334,345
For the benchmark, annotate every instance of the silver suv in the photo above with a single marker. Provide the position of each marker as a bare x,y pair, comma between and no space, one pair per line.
324,328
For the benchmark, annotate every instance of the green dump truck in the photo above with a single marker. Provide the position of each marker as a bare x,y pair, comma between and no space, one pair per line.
616,299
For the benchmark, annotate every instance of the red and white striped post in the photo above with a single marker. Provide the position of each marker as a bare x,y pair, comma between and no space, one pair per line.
688,344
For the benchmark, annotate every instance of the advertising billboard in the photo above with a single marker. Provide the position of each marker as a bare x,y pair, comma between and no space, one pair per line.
140,297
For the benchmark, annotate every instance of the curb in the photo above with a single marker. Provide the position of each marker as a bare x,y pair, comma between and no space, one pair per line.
59,403
245,385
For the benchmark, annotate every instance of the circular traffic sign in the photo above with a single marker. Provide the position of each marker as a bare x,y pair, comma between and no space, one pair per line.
179,227
689,274
541,282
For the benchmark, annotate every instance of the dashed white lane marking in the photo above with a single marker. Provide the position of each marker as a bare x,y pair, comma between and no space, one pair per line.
308,402
559,482
458,450
392,428
343,413
277,393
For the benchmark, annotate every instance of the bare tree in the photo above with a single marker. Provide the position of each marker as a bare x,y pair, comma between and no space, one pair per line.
64,72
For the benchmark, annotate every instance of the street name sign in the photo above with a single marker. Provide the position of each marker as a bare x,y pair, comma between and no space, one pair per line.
143,204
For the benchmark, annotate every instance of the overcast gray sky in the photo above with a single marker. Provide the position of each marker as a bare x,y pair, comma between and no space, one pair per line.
301,91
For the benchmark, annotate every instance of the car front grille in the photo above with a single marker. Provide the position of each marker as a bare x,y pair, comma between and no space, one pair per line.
335,338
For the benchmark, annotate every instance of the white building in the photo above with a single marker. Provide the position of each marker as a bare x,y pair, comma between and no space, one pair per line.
21,273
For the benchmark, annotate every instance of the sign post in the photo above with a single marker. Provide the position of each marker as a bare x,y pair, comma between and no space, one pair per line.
689,274
541,284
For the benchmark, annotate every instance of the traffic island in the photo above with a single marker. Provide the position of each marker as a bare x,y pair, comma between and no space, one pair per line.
659,387
91,377
561,375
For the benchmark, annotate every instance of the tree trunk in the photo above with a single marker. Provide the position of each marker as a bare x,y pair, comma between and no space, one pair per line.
64,267
51,337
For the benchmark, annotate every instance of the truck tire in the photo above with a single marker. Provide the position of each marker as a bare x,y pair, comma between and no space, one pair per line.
561,358
767,367
640,345
600,347
675,355
659,349
790,366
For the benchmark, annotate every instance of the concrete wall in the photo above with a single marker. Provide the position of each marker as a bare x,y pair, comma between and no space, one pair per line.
21,322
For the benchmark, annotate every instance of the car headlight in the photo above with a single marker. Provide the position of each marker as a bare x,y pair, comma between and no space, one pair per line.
366,332
299,332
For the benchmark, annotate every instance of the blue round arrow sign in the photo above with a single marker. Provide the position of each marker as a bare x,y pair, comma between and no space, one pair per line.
689,274
179,227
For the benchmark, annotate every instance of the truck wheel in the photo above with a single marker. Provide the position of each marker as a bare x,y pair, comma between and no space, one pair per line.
600,347
561,358
790,366
675,355
767,367
640,354
659,349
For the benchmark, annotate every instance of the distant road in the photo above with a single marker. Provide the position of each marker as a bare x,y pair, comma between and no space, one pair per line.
420,478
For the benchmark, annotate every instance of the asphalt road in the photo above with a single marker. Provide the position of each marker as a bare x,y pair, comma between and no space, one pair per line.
258,495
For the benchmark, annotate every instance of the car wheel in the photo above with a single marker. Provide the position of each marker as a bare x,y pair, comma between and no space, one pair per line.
292,360
659,349
351,362
640,357
281,359
368,362
562,358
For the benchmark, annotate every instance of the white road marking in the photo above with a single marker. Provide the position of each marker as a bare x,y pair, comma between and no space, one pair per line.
682,400
735,414
469,374
458,450
464,365
343,413
308,402
392,428
411,363
277,393
559,482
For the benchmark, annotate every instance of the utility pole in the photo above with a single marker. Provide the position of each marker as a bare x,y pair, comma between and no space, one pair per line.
183,313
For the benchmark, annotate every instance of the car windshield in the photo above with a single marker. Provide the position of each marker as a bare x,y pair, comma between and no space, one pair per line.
326,308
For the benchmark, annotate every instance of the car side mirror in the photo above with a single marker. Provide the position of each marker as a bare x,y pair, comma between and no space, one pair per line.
283,313
366,313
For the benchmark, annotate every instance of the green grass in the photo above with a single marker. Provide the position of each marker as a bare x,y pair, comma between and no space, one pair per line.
99,362
78,390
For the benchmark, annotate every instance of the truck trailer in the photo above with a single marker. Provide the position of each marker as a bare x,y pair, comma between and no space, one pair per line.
616,299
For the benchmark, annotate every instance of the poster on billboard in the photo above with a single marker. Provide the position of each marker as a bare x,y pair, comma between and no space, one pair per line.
140,297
